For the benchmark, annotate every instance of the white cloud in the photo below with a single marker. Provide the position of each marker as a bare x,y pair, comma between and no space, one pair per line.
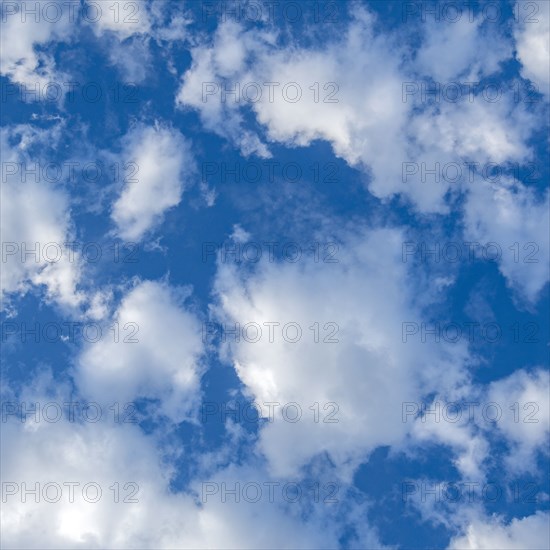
225,58
477,131
532,34
531,532
375,128
509,214
369,120
519,403
126,30
24,36
457,50
132,58
107,452
99,453
106,455
120,17
155,354
164,167
239,234
35,213
525,423
369,373
470,450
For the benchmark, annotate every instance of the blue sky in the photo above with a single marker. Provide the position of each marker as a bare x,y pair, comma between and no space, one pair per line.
275,274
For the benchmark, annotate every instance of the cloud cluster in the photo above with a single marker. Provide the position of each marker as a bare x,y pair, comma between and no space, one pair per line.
28,227
533,43
372,102
25,39
156,353
527,532
351,352
324,338
163,165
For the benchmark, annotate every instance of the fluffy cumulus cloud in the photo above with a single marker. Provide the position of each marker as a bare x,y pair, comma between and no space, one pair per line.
28,29
356,93
153,351
532,34
360,93
332,90
122,20
476,131
329,326
469,448
225,58
105,484
120,17
527,430
151,515
514,408
512,217
331,348
527,532
31,31
124,29
162,165
34,238
452,50
94,457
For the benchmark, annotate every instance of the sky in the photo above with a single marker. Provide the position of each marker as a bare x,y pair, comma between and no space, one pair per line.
275,274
